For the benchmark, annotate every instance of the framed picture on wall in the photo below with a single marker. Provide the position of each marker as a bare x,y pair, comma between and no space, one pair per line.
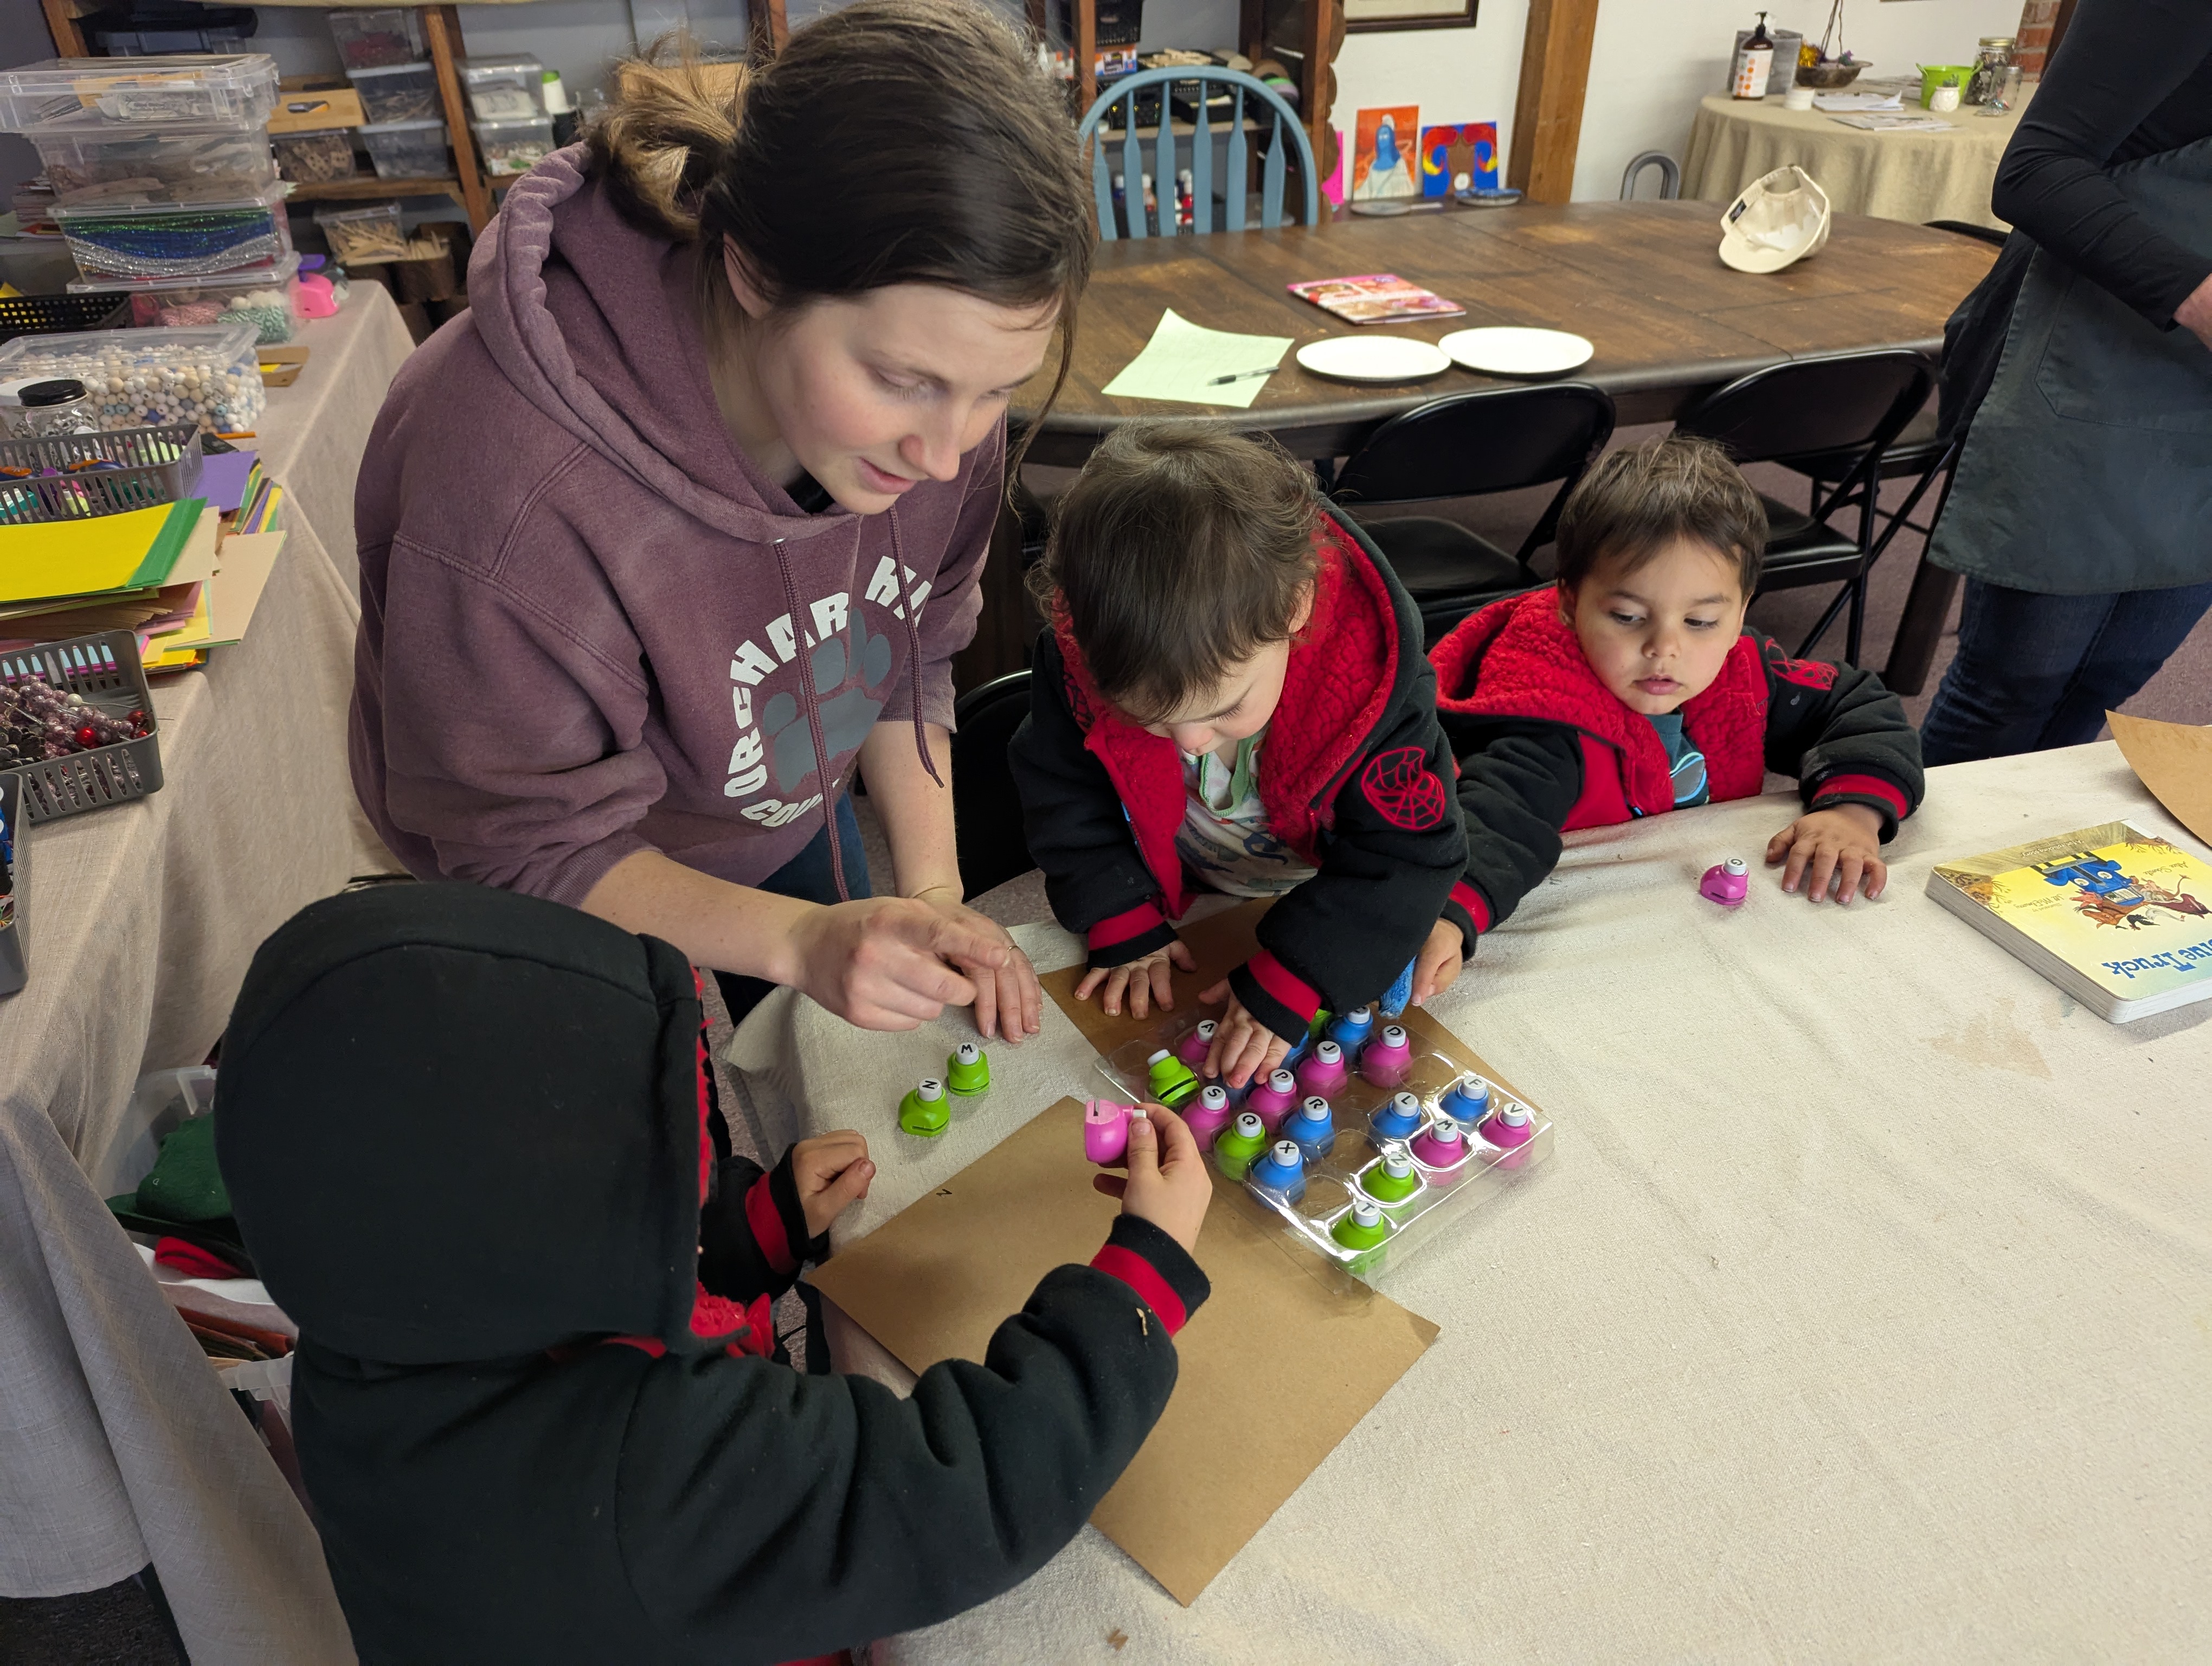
1373,16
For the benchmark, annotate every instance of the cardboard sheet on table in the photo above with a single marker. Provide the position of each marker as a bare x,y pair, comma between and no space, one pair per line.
935,1282
1220,943
2174,760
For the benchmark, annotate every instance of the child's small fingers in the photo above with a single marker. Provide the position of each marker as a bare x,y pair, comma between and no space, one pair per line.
1823,872
1799,855
1778,846
1848,876
1163,986
1877,877
1179,951
1091,980
1212,995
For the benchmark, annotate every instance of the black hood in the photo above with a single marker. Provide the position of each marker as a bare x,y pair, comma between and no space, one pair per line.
457,1124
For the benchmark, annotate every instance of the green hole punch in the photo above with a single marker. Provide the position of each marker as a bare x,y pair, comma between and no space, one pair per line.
967,1071
1392,1180
1171,1080
1239,1143
1361,1227
924,1111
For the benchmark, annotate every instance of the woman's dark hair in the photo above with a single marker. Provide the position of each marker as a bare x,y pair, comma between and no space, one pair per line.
894,141
1634,503
1179,552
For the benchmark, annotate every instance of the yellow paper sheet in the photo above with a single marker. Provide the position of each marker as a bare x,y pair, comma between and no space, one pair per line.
1183,360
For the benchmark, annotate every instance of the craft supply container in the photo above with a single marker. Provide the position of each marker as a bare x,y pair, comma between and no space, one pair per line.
1439,1195
195,89
514,146
123,232
75,477
15,960
316,156
104,671
87,150
369,40
397,92
505,88
363,236
209,376
269,300
54,315
408,149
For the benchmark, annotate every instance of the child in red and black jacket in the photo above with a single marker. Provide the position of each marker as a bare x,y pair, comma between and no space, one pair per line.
471,1140
1631,688
1231,697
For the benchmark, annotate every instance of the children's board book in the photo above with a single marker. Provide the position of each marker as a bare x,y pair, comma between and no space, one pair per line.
1377,298
2120,920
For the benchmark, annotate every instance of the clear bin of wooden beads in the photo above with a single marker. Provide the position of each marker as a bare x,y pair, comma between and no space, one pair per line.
210,375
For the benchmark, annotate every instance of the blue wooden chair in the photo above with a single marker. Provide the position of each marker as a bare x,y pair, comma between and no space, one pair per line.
1120,101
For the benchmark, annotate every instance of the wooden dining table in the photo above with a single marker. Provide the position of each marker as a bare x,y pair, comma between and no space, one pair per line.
1643,281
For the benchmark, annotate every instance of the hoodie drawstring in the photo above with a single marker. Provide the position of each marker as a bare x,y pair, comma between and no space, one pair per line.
913,653
812,704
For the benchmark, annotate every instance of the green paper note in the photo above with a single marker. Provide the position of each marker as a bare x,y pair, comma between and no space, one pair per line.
1181,360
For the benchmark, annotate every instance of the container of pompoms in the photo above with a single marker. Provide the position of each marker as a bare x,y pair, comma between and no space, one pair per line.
130,231
208,376
268,301
77,726
75,477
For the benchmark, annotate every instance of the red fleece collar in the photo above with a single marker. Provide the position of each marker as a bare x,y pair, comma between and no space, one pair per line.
1343,671
1518,658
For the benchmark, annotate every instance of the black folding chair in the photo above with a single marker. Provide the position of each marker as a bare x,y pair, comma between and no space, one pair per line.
986,810
1470,444
1847,409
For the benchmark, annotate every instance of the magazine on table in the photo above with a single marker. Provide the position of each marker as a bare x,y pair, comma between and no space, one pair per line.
1377,298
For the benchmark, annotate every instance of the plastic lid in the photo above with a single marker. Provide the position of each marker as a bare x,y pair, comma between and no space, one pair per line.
1444,1131
967,1053
1206,1027
197,88
1157,1057
1395,1164
1514,1116
1365,1212
36,396
1215,1097
1328,1052
369,71
1249,1124
1287,1155
1735,865
930,1088
223,342
134,197
252,278
1405,1103
509,124
1361,1014
324,216
1314,1109
485,69
416,126
1282,1081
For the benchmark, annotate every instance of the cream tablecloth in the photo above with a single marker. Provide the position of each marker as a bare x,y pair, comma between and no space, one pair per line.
117,1445
1918,177
1861,1313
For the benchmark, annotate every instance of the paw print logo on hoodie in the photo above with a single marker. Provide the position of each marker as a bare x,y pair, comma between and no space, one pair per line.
849,666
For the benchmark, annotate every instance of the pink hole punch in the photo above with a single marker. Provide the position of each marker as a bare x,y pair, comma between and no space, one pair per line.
1273,1097
1197,1044
1208,1114
1386,1058
1321,1071
1726,883
1106,1130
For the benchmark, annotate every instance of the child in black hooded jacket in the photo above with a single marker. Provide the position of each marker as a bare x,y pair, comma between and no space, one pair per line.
538,1408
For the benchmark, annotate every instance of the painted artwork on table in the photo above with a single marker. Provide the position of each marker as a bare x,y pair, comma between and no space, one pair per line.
1462,156
1382,152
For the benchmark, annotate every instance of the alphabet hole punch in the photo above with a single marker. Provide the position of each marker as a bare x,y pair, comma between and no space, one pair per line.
1399,1119
1361,1226
1170,1080
1209,1114
1386,1058
1273,1097
1440,1145
1241,1142
1726,883
1106,1130
924,1111
1392,1180
1193,1048
1281,1170
1466,1101
1321,1071
967,1071
1311,1127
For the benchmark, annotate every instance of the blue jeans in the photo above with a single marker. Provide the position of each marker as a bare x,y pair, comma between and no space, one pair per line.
806,876
2035,671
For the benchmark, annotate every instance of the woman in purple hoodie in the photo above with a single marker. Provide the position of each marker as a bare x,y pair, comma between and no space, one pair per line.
681,522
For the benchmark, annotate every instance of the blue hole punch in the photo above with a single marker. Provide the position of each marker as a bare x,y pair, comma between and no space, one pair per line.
1467,1100
1281,1170
1311,1127
1400,1119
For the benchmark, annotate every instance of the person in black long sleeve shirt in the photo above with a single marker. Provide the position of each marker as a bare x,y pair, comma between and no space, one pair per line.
471,1139
2055,628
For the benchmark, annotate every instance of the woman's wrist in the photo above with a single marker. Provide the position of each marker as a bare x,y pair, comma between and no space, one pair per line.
943,891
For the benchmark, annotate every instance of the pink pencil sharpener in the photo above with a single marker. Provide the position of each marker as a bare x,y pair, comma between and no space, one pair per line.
1726,883
1106,1130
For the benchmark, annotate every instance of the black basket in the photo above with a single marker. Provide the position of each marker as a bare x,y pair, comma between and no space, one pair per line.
61,315
13,969
104,670
151,466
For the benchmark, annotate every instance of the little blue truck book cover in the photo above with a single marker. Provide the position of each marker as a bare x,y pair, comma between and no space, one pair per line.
2119,919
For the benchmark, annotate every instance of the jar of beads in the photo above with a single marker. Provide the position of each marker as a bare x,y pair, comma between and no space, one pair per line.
209,375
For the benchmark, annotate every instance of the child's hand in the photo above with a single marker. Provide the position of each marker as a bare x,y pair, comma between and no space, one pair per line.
1243,1046
1842,844
832,1169
1167,1183
1145,981
1439,962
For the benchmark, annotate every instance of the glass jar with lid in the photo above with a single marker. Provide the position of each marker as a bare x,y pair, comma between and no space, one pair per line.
59,406
1996,71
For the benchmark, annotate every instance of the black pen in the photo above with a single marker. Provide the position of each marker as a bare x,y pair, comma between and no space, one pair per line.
1242,375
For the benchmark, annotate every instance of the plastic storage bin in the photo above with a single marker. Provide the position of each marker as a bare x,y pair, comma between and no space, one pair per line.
370,39
87,150
119,231
210,376
316,156
514,146
238,87
52,315
269,300
397,92
103,671
76,477
408,149
363,236
505,88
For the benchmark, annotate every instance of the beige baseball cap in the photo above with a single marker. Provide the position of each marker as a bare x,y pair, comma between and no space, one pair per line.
1781,217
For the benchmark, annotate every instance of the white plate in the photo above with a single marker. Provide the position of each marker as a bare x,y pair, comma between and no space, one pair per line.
1506,352
1374,359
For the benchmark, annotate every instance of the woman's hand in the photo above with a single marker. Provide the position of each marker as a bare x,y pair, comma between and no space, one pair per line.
832,1172
880,963
1243,1046
1168,1183
1145,981
1438,963
1007,996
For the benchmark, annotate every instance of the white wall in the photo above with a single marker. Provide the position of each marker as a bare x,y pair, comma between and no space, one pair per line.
1654,59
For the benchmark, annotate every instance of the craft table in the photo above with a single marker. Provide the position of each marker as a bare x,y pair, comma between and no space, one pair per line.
1860,1312
1916,177
118,1446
